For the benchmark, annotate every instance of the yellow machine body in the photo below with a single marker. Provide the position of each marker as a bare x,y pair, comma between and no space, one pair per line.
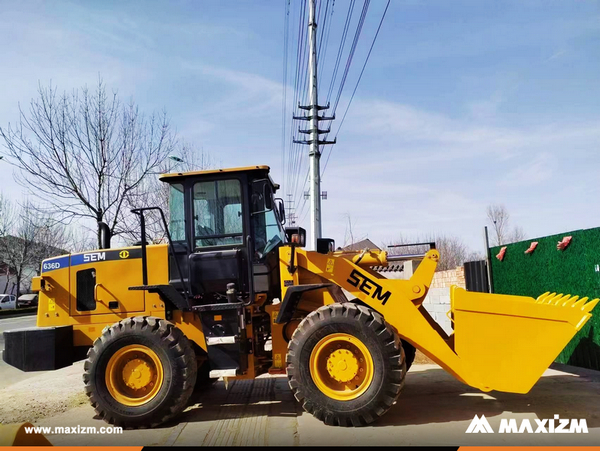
251,300
499,342
115,271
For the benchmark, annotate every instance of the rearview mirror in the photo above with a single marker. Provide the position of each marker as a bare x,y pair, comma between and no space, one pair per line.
280,210
268,193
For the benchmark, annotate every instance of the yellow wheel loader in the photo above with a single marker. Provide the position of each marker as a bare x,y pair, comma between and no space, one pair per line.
233,294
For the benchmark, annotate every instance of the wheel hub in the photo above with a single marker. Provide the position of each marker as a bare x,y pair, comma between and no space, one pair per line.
137,374
342,365
134,375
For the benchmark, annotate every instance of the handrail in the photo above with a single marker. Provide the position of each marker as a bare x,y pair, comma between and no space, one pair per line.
140,213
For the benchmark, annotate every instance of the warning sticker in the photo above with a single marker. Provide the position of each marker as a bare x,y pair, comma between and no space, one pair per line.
51,305
330,263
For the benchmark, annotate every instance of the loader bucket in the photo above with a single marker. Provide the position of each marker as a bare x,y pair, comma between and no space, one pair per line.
507,342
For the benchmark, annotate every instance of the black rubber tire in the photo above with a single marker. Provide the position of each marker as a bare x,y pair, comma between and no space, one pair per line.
409,352
179,367
381,341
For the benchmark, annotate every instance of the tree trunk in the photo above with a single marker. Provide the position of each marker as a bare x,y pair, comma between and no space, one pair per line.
18,284
7,279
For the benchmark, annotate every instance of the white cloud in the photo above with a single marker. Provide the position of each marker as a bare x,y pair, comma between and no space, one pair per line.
399,169
532,172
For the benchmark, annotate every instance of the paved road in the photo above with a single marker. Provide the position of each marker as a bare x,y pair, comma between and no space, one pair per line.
8,374
434,409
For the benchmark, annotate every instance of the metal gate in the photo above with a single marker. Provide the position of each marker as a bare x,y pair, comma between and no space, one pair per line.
476,276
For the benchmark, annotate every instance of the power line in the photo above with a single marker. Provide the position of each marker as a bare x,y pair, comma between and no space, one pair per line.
286,21
293,156
300,95
341,48
357,82
359,27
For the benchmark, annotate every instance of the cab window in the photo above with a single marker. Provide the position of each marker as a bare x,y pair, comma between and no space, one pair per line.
176,212
218,219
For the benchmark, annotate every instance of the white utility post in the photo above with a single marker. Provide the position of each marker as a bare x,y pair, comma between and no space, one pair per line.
313,117
314,154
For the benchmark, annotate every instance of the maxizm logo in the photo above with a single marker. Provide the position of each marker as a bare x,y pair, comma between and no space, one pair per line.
510,426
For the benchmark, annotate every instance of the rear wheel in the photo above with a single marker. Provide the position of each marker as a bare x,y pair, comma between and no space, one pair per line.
140,372
345,365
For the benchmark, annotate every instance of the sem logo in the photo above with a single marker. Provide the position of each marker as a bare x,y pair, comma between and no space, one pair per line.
367,286
509,426
124,254
94,257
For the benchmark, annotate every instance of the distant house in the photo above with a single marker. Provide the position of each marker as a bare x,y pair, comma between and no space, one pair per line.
360,245
8,283
30,266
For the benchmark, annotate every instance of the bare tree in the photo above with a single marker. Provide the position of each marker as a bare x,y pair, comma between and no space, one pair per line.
500,221
7,220
51,238
498,216
154,193
453,252
517,234
349,233
17,246
82,154
28,237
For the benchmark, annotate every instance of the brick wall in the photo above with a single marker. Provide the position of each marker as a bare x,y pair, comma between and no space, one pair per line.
437,302
444,279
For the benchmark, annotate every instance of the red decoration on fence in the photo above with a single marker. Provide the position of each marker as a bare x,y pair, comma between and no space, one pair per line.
500,255
562,245
532,247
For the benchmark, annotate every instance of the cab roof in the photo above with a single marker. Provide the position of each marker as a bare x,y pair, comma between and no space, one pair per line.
176,175
214,171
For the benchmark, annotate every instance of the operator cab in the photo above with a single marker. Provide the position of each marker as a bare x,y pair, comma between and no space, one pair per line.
226,227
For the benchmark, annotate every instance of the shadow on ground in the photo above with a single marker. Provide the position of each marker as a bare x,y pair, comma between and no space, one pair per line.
265,396
429,396
433,396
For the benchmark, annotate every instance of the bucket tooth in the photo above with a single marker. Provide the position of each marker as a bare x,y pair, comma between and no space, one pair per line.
560,299
540,299
580,303
550,299
570,301
590,305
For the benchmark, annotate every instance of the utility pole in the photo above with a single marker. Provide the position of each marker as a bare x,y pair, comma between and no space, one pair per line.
313,117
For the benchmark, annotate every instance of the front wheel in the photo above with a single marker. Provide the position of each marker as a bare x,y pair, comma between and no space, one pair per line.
345,365
140,372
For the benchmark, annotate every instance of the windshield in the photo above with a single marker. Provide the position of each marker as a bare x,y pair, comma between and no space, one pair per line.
218,217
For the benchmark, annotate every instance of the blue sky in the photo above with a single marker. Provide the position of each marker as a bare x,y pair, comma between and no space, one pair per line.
462,103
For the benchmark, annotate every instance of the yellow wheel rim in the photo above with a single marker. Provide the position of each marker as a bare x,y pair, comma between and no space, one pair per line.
134,375
341,366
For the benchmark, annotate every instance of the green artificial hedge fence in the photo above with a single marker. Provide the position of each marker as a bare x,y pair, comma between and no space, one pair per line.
574,270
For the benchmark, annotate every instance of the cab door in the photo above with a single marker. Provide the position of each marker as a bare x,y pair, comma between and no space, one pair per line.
100,282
